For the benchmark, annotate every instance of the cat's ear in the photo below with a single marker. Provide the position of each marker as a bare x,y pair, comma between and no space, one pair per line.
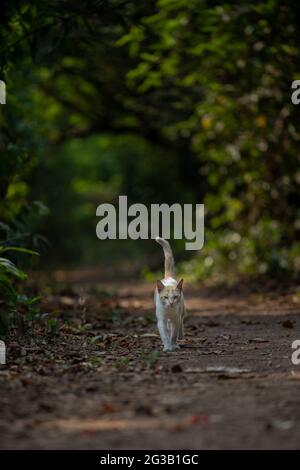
179,285
159,286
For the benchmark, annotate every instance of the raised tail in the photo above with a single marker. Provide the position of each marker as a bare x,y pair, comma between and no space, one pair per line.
169,260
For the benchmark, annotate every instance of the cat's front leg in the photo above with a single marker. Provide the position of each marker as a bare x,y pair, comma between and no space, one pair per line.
181,330
175,330
163,331
181,327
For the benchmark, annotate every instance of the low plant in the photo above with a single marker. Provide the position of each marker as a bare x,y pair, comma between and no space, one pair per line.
12,302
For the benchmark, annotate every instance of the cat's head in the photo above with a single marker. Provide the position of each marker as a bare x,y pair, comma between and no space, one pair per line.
170,296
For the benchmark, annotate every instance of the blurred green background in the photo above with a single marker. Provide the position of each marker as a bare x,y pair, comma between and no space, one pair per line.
164,101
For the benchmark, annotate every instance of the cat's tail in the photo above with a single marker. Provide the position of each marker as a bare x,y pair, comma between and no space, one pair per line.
169,260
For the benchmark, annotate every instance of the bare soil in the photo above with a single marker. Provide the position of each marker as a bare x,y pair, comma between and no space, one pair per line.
101,380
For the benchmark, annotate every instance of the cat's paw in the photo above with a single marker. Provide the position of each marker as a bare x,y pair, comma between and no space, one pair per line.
171,348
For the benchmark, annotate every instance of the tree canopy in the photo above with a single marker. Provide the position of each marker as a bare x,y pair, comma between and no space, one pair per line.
186,101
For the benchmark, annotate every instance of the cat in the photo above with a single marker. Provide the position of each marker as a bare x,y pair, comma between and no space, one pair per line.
169,302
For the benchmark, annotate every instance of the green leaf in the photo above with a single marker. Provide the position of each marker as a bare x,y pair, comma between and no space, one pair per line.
9,267
19,249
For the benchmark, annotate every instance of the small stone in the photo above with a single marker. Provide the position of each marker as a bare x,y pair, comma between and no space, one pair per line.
176,368
287,324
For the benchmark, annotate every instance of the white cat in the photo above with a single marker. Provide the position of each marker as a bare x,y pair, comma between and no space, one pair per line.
169,302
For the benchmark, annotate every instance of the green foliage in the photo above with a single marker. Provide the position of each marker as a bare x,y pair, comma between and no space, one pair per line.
52,323
165,101
10,299
150,359
15,303
229,70
8,293
122,363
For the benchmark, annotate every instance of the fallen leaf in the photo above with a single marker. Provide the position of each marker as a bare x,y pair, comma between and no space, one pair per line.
258,340
281,424
149,335
227,370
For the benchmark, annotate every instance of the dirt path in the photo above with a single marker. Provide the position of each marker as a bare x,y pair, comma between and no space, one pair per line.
102,381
